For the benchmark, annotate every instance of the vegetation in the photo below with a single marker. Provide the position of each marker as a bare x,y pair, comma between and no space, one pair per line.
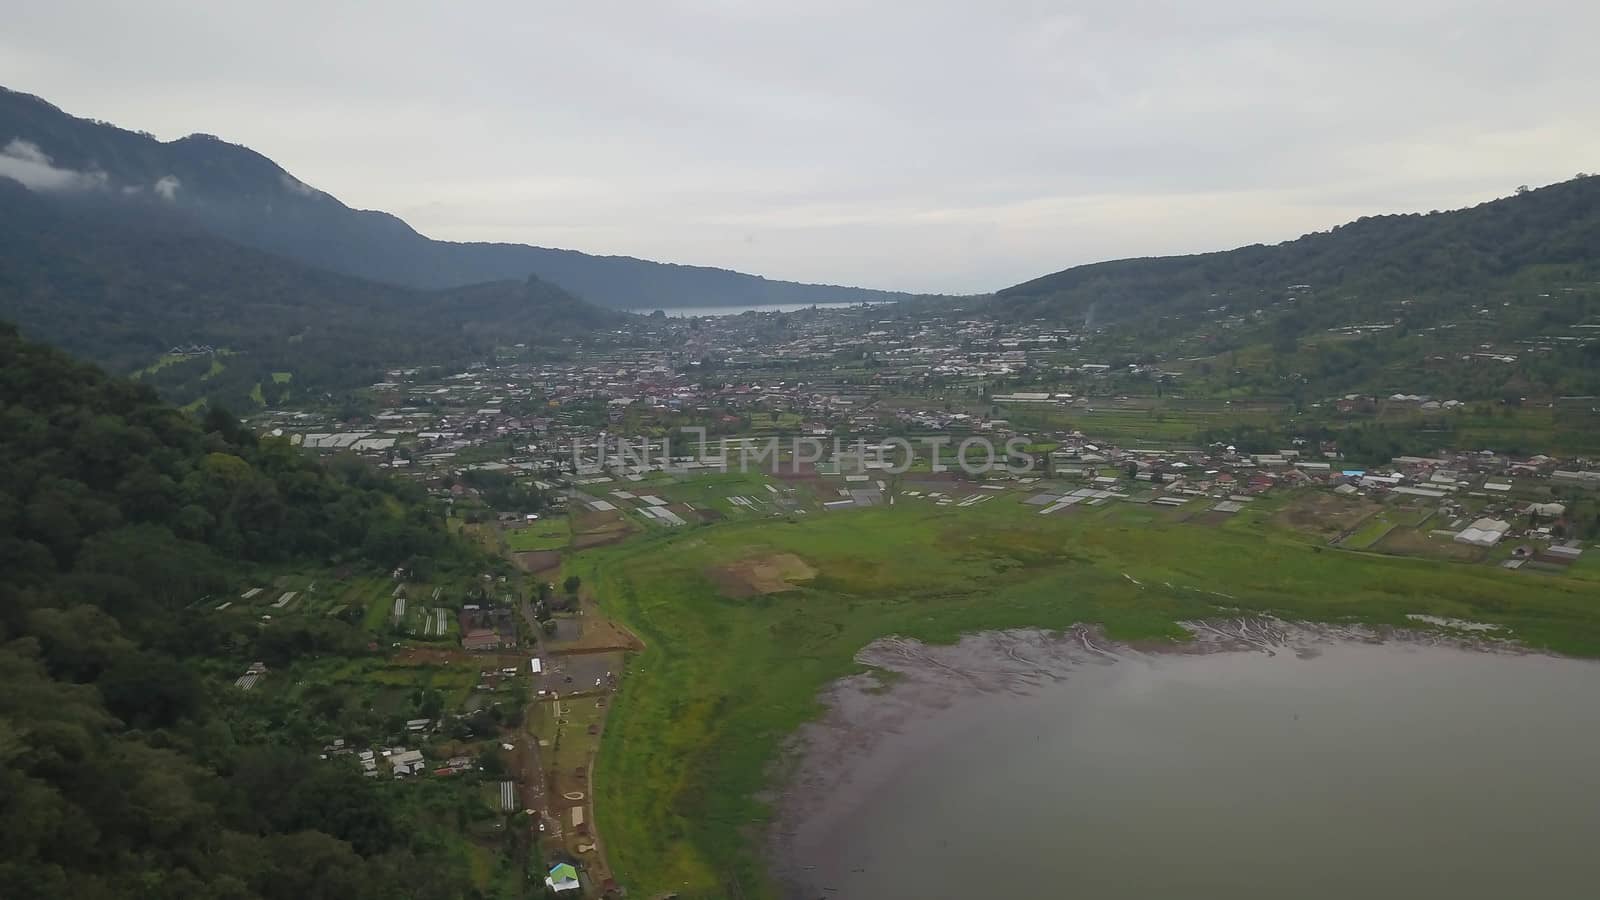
692,740
123,295
123,770
1370,260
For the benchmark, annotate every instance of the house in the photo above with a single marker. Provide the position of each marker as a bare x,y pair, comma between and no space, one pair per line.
562,877
406,762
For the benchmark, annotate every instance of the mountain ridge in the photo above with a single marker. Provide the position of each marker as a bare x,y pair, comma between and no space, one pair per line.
239,193
1555,225
97,284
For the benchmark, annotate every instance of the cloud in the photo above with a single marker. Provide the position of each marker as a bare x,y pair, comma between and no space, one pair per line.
25,162
167,188
296,186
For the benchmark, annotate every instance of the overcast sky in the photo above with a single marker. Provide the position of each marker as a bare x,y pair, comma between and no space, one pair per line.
929,145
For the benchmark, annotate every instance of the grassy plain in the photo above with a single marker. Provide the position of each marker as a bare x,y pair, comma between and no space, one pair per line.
695,734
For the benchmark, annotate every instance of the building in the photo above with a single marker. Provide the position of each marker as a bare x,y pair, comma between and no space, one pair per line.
407,762
487,629
1483,533
562,877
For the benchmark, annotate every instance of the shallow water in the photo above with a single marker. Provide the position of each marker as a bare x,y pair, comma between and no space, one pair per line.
1021,765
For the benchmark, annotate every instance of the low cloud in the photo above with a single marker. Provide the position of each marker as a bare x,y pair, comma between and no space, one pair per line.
167,188
25,162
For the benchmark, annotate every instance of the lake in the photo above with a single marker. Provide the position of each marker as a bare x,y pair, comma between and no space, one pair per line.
685,312
1267,761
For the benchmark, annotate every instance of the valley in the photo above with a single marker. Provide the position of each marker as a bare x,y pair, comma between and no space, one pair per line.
345,562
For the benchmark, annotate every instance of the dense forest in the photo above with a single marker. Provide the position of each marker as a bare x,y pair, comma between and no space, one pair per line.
109,287
237,193
122,771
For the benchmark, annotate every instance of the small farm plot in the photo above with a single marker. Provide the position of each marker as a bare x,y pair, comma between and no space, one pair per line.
431,623
544,534
1376,528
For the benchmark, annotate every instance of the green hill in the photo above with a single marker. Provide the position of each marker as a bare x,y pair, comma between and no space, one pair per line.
1500,301
1363,262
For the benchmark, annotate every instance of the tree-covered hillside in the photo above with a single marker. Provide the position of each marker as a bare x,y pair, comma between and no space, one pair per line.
1497,302
123,772
1370,259
115,289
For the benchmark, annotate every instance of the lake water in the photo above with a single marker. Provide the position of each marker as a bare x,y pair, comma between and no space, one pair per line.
690,311
1311,765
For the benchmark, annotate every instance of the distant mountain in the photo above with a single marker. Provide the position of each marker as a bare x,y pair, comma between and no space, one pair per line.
1373,259
105,283
237,193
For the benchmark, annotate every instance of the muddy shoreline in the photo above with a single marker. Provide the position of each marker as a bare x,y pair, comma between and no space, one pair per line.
829,766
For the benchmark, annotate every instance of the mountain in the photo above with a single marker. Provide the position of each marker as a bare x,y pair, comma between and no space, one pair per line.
237,193
1374,258
1500,301
101,281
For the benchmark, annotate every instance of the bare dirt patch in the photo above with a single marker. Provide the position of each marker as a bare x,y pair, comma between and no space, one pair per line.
596,529
1324,513
1412,542
590,633
768,574
537,560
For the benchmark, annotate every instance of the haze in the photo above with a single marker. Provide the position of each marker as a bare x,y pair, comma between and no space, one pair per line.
928,146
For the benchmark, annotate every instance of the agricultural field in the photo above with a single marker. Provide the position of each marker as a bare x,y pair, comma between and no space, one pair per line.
744,622
1325,514
730,494
1378,526
544,534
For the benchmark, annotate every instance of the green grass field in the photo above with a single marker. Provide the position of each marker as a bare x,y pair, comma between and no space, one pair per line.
696,729
711,491
545,534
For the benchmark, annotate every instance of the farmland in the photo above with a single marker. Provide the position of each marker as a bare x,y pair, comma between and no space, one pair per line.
544,534
695,733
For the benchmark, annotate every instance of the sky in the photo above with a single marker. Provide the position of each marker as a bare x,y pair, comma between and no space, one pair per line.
930,146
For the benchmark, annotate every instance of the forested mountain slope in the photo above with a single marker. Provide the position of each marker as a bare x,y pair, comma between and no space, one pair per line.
123,772
1497,302
1369,260
97,282
237,193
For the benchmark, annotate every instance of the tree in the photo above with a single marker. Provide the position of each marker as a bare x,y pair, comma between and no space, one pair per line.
491,764
571,584
149,691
